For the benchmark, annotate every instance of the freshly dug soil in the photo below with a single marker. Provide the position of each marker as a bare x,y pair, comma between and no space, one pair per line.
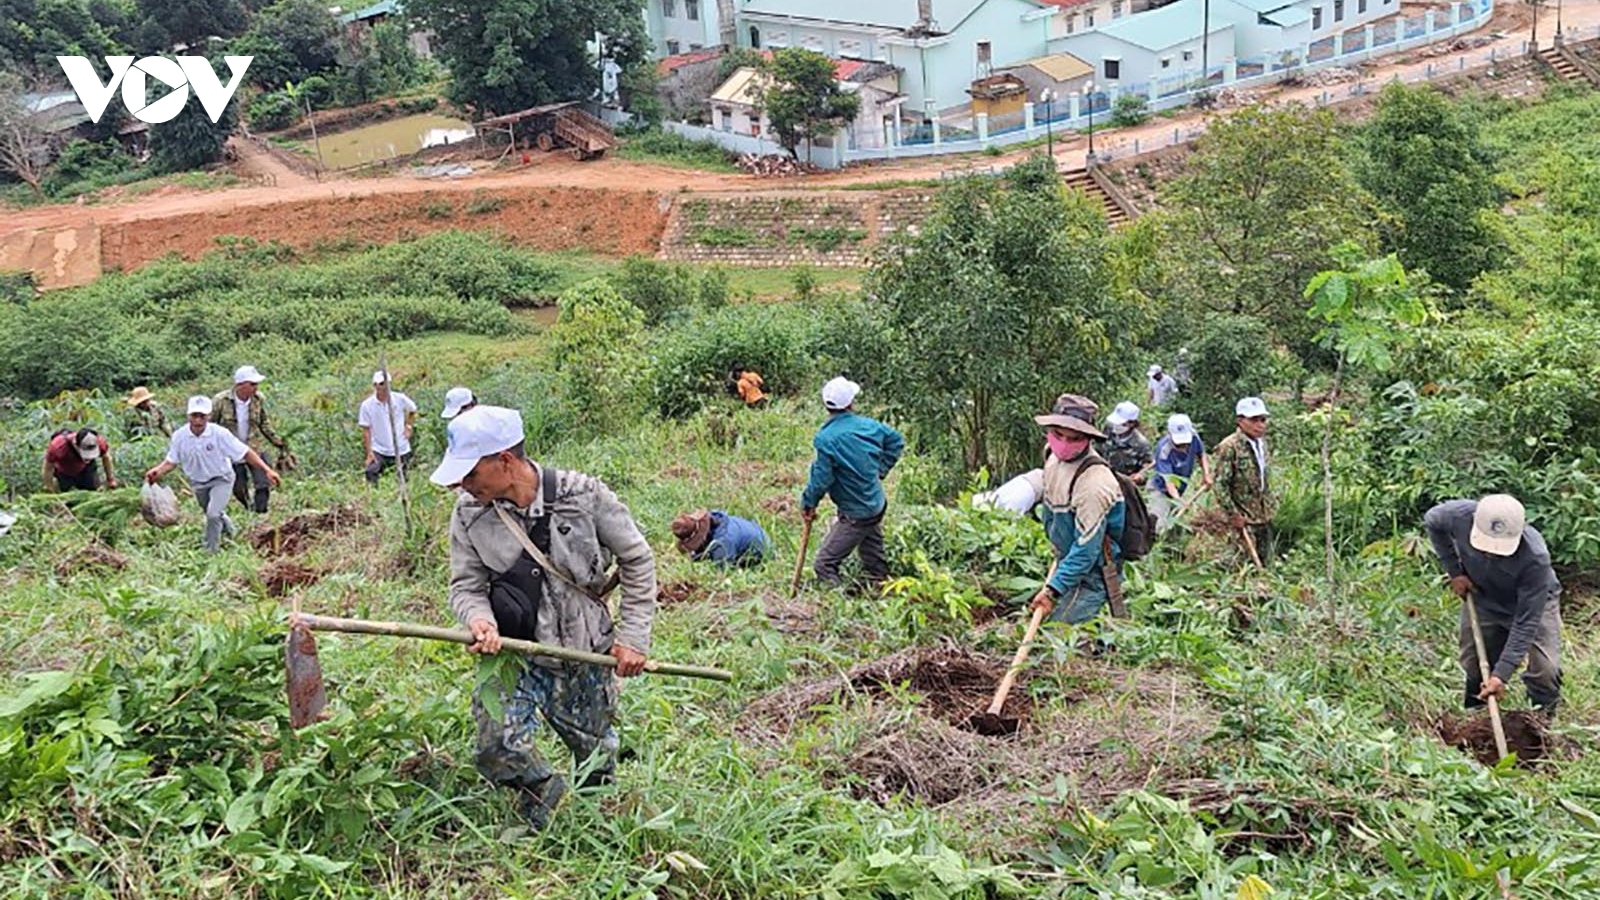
953,685
1527,735
282,575
93,556
294,535
675,592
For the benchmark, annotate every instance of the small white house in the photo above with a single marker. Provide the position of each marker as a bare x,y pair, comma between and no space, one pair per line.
735,105
939,46
1073,16
1162,45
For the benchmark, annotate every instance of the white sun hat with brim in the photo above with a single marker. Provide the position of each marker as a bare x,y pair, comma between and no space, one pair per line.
840,393
480,431
454,399
1497,525
1123,413
247,375
1250,407
1180,428
201,404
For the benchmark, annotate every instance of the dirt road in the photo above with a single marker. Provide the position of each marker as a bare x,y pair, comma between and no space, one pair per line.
243,204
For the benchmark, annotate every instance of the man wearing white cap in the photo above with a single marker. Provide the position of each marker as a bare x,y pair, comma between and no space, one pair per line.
208,454
1244,483
1163,388
1125,446
457,400
529,551
379,415
243,411
854,455
1177,455
1491,555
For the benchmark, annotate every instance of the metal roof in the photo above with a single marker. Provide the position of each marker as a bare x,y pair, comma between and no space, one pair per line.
1057,66
1288,17
1171,25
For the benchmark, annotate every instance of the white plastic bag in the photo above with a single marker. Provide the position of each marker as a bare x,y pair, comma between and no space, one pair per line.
159,505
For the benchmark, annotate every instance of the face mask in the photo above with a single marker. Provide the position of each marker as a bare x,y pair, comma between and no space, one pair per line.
1122,429
1066,448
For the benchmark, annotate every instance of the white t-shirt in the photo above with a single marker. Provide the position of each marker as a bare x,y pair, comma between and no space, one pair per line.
207,455
375,415
1163,389
241,419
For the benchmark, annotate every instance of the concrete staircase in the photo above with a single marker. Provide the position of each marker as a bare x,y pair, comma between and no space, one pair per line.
1081,180
1557,62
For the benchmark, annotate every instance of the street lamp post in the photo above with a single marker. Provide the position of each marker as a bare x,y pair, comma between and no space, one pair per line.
1088,95
1048,98
1534,39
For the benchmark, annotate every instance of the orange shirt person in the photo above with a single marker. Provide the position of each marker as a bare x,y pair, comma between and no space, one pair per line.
750,387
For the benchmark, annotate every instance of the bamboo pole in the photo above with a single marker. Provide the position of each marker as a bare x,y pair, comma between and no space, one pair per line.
527,648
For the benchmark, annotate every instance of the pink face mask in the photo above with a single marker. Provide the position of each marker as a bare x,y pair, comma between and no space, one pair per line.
1066,448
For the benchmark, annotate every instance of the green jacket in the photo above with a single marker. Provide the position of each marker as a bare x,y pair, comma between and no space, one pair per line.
1242,485
222,413
146,422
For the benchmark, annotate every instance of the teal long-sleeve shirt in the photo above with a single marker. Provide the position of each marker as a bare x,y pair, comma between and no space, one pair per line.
854,455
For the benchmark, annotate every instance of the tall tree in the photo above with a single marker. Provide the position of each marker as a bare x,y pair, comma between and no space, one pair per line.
802,99
25,146
1003,299
1266,194
507,55
189,22
1424,162
34,32
304,30
191,140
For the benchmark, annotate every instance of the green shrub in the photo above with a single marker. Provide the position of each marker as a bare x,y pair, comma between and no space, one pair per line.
597,343
658,289
1130,110
676,150
273,111
692,358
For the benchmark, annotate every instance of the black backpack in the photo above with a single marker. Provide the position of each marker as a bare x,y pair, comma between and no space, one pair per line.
1138,528
517,594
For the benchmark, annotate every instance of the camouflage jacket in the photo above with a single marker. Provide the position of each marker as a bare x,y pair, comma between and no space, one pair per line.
1241,485
1128,453
148,422
223,414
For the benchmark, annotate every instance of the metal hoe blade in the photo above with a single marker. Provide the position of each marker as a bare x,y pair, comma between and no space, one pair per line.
307,696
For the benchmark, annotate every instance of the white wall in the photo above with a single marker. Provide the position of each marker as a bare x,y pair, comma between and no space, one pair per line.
1139,65
1353,16
951,61
689,33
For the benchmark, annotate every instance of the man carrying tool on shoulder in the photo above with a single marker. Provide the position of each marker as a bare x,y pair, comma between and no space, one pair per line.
529,552
1495,559
1084,514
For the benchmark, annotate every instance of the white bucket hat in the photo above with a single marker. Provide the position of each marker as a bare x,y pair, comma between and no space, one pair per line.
1497,525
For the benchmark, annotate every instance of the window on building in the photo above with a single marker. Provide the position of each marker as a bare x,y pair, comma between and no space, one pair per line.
669,9
755,37
727,118
1338,10
672,48
1188,55
1088,18
1113,68
694,47
1361,6
1072,23
1316,17
984,56
1116,9
1166,62
692,7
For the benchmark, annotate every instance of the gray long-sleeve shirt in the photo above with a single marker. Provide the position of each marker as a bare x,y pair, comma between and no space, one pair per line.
1511,590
